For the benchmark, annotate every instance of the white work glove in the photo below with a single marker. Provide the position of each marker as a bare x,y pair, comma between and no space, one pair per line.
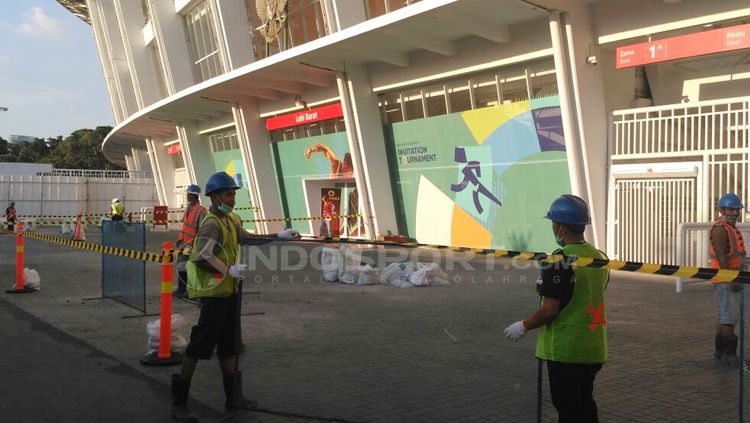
515,331
289,234
236,270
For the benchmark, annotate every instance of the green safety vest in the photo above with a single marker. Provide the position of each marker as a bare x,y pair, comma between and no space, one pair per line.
578,334
118,208
202,283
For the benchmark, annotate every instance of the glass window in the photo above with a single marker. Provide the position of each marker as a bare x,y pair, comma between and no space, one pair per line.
203,45
485,92
544,85
413,107
514,89
223,141
323,127
459,97
467,93
435,99
391,108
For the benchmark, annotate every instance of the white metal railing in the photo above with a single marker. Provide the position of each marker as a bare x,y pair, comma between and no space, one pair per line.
692,246
98,174
673,130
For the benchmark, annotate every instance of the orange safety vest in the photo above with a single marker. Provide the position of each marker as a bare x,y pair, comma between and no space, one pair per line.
736,246
193,217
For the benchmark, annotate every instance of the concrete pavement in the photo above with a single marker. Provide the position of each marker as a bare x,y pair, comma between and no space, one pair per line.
323,352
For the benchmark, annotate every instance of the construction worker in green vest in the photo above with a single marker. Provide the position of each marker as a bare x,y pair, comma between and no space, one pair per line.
572,317
213,279
118,209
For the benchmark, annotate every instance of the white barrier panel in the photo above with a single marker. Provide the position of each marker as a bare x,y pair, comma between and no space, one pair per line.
69,195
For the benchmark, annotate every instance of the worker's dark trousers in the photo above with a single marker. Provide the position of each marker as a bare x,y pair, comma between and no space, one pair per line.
572,390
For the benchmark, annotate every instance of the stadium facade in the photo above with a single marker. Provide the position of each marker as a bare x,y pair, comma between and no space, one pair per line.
449,121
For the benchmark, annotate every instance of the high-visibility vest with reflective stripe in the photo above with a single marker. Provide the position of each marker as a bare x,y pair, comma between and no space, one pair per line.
202,283
578,334
736,246
194,215
118,208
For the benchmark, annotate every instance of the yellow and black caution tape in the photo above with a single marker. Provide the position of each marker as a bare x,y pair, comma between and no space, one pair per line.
68,216
73,220
288,219
714,275
115,251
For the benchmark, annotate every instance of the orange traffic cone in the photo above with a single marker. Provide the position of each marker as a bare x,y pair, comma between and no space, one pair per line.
79,234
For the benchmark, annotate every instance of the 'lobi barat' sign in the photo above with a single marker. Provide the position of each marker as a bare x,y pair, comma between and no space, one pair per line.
304,117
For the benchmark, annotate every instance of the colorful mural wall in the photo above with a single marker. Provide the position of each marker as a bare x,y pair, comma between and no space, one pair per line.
482,178
323,157
230,161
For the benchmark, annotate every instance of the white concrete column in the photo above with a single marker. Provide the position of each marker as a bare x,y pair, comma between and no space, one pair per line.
364,129
259,164
152,151
118,60
568,111
129,164
170,37
140,62
342,14
589,101
196,153
101,47
234,32
141,159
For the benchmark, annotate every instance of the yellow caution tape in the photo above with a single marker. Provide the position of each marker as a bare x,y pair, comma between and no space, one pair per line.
74,220
714,275
68,216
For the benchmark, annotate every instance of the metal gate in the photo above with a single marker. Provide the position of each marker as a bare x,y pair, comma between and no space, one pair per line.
647,215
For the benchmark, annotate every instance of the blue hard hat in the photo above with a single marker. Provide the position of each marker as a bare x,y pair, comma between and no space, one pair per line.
218,181
193,189
570,210
730,201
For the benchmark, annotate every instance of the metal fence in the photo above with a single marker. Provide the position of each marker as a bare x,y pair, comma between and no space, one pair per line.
658,190
124,279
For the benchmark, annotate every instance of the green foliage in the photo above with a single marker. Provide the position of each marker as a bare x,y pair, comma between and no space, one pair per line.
79,150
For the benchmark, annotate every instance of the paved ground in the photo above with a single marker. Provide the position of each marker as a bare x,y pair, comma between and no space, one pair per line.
323,352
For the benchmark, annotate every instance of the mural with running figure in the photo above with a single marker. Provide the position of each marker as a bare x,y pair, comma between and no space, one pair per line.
481,178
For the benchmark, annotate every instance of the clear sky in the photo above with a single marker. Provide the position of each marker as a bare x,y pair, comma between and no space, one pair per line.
51,79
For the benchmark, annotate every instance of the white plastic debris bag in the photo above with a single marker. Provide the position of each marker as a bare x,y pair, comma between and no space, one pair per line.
351,258
31,279
397,274
177,342
428,274
67,228
368,275
329,261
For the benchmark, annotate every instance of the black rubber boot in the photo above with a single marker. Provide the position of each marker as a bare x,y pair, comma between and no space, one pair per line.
180,410
730,351
236,401
720,346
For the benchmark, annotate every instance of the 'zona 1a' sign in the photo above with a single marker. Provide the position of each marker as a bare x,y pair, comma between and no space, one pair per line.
691,45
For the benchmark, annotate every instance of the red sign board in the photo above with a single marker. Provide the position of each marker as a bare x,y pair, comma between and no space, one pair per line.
691,45
173,149
304,117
